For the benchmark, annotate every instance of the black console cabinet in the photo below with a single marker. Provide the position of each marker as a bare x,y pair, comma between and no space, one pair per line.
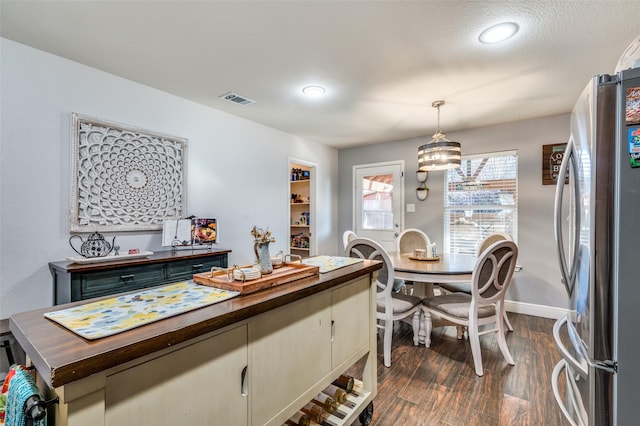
72,281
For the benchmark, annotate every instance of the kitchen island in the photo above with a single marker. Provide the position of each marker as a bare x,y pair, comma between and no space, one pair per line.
254,359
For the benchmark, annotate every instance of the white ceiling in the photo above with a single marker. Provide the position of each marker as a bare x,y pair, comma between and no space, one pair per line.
382,62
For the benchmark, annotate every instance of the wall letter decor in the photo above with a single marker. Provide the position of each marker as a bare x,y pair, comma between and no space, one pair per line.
551,159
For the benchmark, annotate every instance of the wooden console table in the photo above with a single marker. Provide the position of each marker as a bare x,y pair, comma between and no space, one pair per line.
73,282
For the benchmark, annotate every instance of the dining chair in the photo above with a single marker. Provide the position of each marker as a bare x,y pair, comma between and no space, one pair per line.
490,239
391,306
484,306
406,242
466,287
398,284
410,239
348,236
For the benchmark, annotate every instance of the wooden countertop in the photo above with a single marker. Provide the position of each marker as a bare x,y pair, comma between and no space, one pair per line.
157,257
61,357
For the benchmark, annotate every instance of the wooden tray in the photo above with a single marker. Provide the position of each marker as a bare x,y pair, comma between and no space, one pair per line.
286,273
427,259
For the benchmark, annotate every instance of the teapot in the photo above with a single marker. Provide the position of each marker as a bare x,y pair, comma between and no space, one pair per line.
94,246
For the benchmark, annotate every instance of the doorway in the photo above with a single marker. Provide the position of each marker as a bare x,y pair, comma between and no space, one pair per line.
378,202
302,208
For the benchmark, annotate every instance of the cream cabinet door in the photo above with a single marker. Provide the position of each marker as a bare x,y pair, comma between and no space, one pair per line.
196,385
351,320
290,351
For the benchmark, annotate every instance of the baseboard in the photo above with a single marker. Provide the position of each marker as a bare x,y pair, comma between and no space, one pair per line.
535,310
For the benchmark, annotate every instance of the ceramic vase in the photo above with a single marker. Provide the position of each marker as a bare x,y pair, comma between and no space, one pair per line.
262,257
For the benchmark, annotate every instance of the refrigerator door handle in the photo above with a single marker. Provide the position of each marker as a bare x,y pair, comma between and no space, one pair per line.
582,366
607,365
568,274
573,396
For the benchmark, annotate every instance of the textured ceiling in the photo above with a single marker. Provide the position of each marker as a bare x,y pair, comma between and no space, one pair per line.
382,62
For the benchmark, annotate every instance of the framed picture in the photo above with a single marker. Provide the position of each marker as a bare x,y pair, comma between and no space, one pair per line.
205,231
552,156
124,178
189,232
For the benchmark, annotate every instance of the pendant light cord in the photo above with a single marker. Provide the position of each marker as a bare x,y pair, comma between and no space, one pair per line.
438,134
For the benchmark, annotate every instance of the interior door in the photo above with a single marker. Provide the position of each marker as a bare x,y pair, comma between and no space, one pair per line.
378,202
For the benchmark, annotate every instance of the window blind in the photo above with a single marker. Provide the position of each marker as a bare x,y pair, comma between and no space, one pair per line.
480,198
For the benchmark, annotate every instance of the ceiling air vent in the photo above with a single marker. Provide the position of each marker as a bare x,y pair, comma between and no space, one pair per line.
237,99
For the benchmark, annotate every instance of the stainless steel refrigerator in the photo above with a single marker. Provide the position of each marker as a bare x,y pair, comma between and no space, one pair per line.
597,229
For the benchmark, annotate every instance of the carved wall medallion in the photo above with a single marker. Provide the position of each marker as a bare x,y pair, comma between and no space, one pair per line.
124,178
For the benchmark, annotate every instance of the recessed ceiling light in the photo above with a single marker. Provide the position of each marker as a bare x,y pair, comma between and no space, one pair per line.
313,91
499,32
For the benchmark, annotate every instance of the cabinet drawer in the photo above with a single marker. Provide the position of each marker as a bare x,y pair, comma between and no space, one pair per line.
184,269
126,279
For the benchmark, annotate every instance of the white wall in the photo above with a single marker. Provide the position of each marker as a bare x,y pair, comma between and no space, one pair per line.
237,169
538,283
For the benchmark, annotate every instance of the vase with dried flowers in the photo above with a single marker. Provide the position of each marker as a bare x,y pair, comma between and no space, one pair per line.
261,240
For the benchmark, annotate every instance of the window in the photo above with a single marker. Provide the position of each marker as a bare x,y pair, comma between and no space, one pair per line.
377,202
480,198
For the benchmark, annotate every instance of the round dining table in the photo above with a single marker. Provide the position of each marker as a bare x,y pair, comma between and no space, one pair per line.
446,268
425,273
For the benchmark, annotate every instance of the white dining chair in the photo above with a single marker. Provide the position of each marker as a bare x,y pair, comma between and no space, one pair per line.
411,239
391,306
466,287
406,242
348,236
490,239
484,306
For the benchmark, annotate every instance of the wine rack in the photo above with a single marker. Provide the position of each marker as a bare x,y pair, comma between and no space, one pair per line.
348,412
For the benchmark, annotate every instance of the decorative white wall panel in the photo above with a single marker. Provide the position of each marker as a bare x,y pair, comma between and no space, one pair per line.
124,178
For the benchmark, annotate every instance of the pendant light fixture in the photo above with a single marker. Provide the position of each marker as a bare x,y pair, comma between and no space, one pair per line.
440,153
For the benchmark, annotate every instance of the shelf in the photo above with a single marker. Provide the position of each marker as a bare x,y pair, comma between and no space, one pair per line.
300,210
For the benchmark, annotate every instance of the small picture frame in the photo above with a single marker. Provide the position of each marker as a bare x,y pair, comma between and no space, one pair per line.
205,231
552,156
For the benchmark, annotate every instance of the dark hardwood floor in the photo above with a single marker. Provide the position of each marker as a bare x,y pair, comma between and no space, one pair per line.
438,385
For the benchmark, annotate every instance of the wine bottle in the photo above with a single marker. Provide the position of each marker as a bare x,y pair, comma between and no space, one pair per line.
339,394
315,412
298,419
326,402
345,382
